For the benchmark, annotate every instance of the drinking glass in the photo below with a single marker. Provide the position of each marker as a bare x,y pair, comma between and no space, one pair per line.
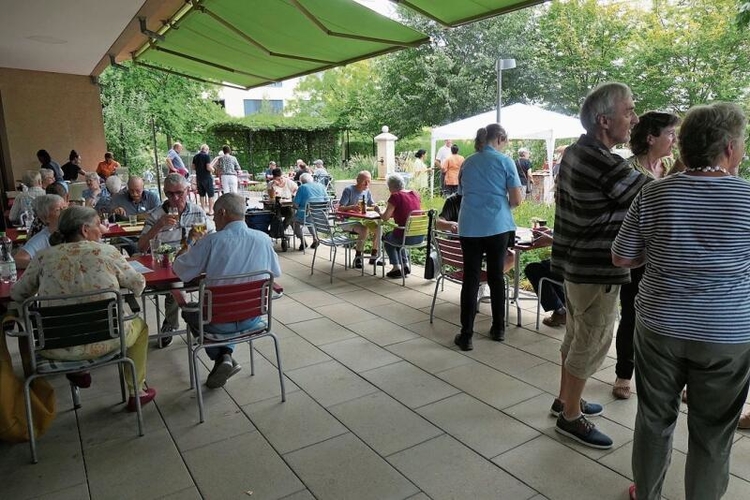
133,219
199,223
153,244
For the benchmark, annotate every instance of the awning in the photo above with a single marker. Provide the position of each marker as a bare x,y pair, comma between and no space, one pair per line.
251,43
457,12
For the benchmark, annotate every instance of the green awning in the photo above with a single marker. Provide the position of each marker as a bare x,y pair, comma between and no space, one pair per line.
251,43
457,12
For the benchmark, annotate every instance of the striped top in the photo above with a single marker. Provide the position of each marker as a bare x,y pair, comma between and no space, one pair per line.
696,234
594,190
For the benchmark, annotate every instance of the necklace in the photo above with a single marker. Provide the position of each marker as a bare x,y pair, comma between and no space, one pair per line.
715,168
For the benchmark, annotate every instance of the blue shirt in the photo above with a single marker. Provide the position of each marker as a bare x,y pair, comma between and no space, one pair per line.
307,192
485,179
351,196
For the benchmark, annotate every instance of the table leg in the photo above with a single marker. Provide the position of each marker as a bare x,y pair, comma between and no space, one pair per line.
516,283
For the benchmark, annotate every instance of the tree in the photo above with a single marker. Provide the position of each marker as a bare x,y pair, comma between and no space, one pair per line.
181,108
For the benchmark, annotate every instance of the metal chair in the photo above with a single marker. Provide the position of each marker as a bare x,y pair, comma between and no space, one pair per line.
54,322
451,268
226,300
313,204
329,235
539,296
417,224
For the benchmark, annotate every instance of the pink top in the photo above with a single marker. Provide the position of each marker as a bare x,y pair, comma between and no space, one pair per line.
404,203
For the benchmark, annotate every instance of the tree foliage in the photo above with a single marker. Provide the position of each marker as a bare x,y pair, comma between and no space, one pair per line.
181,108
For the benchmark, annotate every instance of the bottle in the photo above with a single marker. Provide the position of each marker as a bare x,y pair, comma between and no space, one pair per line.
362,205
7,264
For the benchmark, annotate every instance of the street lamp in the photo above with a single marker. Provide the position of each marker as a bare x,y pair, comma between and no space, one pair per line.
500,65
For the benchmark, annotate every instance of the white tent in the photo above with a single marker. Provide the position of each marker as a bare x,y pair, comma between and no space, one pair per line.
521,121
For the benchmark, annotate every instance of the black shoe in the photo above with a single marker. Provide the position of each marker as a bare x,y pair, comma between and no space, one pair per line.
314,244
376,261
407,270
464,343
358,262
302,247
394,273
497,334
165,341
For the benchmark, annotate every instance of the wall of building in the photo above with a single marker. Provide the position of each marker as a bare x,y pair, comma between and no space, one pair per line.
52,111
234,99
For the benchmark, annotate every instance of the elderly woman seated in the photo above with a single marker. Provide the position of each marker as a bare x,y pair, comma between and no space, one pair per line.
23,202
78,262
47,209
95,191
401,203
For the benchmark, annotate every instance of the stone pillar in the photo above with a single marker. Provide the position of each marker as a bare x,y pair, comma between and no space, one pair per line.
386,156
542,190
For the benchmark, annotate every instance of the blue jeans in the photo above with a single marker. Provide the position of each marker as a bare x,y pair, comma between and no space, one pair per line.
219,330
396,255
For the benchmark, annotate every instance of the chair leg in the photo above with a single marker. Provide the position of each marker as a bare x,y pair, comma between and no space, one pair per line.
198,389
30,419
191,367
539,303
138,408
278,366
434,297
75,394
333,262
123,386
252,359
312,266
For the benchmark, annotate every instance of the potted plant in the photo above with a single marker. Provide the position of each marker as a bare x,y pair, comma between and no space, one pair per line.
166,254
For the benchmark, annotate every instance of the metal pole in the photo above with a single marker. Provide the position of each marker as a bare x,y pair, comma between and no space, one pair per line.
499,88
156,158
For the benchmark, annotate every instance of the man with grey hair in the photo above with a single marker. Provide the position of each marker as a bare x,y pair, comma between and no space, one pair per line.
594,190
168,221
309,190
33,182
233,249
174,161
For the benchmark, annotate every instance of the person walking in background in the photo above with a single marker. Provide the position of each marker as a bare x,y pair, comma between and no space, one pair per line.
72,170
692,231
228,168
450,168
204,179
442,154
174,161
594,190
491,188
523,166
421,170
651,142
107,167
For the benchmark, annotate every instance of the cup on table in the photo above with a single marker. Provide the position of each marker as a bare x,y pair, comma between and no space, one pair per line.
133,220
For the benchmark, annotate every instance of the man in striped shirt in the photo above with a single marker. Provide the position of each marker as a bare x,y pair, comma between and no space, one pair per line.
594,190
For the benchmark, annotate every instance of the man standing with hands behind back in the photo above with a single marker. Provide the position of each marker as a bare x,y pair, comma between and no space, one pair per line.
594,191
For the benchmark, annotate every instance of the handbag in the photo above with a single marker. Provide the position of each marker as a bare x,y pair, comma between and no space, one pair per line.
13,423
430,261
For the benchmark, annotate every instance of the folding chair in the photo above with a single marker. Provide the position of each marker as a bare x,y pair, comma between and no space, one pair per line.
227,300
55,322
329,235
417,224
451,268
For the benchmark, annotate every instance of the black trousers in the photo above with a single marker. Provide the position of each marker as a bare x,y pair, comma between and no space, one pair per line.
624,342
552,296
494,248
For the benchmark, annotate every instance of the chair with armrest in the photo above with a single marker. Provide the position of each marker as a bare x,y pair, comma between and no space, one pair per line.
417,224
227,300
451,268
55,322
330,235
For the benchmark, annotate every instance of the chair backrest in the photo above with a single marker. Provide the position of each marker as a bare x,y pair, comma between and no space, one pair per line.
449,250
236,298
418,224
56,322
318,217
75,190
317,204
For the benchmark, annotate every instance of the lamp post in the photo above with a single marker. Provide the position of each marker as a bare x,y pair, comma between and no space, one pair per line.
500,65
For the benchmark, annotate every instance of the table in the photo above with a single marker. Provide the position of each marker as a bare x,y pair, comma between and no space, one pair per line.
369,215
519,248
18,235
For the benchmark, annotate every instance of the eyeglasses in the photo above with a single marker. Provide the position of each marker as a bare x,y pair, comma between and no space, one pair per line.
174,193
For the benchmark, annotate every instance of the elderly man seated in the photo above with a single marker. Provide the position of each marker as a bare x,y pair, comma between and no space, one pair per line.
309,190
23,202
134,201
349,201
167,222
233,249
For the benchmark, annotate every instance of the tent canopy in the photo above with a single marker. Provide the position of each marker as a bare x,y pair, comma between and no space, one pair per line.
250,43
521,121
457,12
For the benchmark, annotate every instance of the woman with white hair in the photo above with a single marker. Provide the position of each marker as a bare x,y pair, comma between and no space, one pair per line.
692,232
94,190
23,202
47,209
401,203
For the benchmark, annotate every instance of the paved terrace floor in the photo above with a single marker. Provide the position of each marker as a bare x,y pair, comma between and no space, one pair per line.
381,405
